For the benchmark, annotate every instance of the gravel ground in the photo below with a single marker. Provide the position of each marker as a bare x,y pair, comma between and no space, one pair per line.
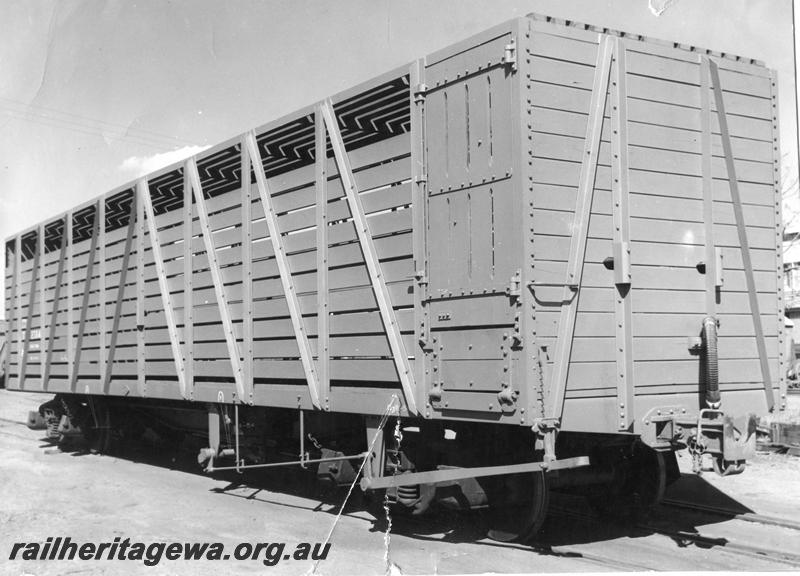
93,498
771,482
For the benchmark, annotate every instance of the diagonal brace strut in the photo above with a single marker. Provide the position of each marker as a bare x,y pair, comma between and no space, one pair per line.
370,257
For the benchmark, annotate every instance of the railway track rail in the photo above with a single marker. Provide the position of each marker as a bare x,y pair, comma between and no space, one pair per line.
685,538
682,538
406,523
744,516
664,526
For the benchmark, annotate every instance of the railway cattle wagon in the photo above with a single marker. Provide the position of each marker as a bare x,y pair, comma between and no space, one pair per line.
552,252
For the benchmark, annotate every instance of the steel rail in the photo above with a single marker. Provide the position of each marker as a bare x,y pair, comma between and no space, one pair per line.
683,537
745,516
730,546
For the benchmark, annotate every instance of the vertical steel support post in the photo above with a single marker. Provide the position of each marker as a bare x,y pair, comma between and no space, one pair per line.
101,306
323,318
577,251
708,189
216,276
62,255
371,259
289,291
166,298
42,305
247,273
11,327
516,380
419,212
188,285
375,459
23,357
123,279
87,288
141,360
534,366
741,229
785,354
69,230
621,239
20,337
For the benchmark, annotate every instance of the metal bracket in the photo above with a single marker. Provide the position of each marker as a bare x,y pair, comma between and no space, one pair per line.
546,430
514,288
658,428
507,396
510,55
420,92
622,263
719,278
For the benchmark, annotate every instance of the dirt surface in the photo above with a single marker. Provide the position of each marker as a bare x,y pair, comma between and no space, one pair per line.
149,498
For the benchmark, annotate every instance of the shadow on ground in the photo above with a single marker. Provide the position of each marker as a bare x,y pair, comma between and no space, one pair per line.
571,520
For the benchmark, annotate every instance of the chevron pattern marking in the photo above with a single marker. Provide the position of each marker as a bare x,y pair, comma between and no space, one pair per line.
53,232
9,257
118,210
28,245
287,147
379,113
220,172
369,117
83,224
166,192
374,115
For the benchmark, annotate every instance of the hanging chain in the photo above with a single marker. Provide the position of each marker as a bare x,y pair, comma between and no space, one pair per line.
314,441
391,408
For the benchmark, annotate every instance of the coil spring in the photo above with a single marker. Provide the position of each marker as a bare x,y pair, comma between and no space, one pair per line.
52,424
408,493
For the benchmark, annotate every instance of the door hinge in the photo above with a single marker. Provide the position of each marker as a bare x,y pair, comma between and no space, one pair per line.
510,55
420,91
514,288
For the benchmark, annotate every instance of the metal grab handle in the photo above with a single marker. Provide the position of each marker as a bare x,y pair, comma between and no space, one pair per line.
573,287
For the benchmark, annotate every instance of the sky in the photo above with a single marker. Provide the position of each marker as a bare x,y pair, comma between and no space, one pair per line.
94,94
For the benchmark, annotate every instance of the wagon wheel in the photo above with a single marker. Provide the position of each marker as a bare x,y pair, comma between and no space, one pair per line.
99,437
650,479
521,520
636,489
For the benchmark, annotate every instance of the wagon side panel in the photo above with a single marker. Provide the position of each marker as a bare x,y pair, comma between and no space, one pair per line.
634,344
